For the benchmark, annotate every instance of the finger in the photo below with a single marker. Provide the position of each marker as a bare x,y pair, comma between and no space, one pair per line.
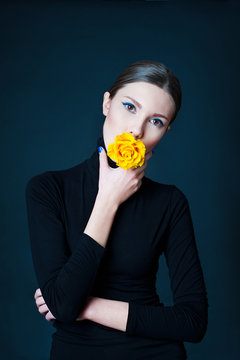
139,184
141,175
49,316
37,293
40,301
43,309
103,159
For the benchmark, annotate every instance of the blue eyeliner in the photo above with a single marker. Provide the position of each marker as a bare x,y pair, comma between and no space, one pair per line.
127,103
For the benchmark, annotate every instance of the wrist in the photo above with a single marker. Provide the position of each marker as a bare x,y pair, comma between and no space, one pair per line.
107,202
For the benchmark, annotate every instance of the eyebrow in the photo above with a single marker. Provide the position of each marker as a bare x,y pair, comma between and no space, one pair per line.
140,106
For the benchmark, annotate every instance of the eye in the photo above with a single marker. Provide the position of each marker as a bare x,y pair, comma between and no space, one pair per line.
157,122
129,105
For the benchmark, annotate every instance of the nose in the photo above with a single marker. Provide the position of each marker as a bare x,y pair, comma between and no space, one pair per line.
137,132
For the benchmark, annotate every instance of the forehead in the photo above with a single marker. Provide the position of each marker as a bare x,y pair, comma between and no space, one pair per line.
150,96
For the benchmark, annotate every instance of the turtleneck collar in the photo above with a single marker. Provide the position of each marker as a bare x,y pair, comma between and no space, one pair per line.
93,161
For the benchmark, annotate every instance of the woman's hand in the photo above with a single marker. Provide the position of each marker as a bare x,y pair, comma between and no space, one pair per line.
119,184
44,310
114,187
42,307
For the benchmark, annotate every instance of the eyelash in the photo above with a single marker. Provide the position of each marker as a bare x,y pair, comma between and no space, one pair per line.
135,108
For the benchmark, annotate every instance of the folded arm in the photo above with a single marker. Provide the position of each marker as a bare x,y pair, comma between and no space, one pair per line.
65,279
187,319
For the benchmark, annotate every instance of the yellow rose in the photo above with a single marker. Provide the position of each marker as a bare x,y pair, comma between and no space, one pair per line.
126,151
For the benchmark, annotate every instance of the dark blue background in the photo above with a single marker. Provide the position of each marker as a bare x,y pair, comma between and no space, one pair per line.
57,59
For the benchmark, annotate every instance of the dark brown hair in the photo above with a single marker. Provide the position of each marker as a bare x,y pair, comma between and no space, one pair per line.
152,72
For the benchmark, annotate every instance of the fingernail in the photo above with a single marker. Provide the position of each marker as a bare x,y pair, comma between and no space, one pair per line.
99,149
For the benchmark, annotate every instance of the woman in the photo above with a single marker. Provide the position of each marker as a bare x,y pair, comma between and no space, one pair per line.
97,232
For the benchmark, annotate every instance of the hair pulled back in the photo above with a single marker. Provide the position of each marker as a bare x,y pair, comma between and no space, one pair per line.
152,72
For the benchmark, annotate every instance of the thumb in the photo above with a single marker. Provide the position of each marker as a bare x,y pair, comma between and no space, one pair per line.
102,157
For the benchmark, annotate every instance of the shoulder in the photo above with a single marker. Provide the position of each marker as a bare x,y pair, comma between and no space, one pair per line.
56,177
172,192
169,197
178,195
51,184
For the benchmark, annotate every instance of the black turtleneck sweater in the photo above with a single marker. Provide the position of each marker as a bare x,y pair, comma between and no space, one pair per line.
70,265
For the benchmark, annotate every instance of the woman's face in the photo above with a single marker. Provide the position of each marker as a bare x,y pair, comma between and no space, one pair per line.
140,108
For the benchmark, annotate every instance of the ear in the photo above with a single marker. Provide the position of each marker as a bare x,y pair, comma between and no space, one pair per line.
106,103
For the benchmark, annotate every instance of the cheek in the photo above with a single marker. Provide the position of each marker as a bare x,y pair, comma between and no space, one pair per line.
112,118
113,127
109,124
115,122
153,141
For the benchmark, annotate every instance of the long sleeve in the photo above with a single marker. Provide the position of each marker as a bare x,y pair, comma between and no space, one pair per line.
187,319
65,279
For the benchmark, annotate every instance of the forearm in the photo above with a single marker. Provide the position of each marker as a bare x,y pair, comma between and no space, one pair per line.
184,323
111,313
101,219
180,322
